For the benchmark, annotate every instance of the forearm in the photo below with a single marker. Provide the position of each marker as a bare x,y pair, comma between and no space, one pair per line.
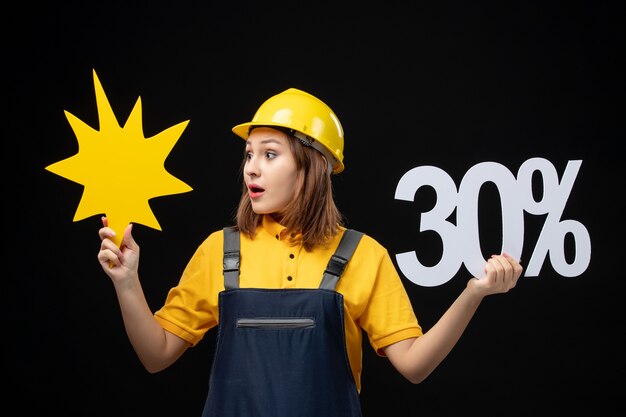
417,358
149,340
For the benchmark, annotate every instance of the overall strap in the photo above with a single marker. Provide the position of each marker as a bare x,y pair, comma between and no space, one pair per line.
340,258
231,257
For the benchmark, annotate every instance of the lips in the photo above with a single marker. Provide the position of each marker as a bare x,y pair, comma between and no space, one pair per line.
254,191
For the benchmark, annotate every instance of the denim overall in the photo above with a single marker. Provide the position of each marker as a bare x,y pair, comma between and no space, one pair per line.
282,352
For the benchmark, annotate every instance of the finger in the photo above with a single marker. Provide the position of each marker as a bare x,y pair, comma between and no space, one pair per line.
505,277
511,270
518,269
106,233
515,265
128,241
109,245
108,258
498,268
507,265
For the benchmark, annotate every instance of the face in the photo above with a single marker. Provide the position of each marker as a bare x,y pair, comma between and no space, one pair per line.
269,171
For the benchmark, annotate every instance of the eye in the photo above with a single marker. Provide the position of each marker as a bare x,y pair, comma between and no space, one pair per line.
271,154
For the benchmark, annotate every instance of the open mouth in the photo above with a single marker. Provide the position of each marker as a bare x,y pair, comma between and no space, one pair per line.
255,191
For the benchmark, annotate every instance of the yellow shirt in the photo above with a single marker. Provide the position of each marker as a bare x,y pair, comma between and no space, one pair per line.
375,299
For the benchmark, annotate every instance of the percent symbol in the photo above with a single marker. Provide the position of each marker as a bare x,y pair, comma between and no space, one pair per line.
554,231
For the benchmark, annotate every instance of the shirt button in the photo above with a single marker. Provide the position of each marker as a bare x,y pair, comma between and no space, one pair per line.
289,278
291,255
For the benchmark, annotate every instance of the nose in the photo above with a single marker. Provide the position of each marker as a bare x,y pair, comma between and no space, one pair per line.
252,167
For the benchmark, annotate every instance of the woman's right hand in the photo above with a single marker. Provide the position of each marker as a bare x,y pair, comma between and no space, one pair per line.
119,263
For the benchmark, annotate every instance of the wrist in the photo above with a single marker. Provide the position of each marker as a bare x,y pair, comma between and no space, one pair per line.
475,290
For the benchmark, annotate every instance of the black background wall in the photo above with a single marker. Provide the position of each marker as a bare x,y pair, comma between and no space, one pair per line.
446,84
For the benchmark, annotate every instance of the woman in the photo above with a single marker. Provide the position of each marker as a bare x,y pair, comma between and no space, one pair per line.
289,296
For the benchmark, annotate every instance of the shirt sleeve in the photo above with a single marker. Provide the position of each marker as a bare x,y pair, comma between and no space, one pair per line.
389,316
190,308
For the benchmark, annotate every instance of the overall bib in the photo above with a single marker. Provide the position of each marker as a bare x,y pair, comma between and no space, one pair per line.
282,352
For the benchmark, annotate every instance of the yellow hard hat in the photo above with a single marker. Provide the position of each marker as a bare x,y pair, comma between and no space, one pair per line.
308,119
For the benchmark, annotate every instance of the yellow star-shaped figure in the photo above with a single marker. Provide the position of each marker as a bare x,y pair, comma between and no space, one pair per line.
120,169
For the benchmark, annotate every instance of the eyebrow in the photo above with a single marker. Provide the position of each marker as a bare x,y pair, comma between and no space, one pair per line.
271,140
266,141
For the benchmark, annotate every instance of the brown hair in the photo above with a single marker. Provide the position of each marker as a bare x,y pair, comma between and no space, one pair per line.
312,212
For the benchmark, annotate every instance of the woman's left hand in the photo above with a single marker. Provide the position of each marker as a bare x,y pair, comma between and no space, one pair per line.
501,274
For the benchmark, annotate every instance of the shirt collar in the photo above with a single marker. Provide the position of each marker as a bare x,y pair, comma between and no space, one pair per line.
275,229
272,227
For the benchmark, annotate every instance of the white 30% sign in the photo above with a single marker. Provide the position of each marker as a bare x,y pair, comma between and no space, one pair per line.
461,244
